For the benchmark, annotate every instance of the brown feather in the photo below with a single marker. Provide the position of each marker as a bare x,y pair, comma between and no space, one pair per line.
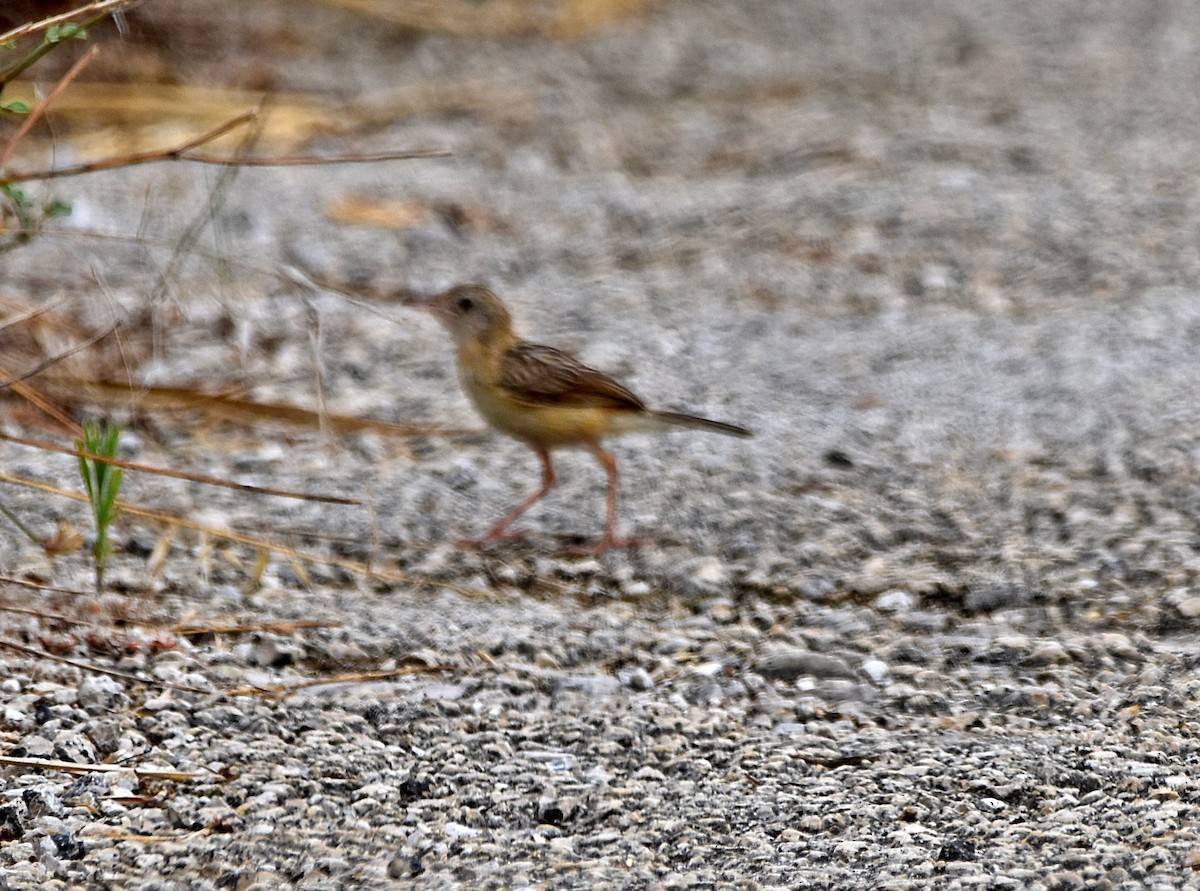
542,375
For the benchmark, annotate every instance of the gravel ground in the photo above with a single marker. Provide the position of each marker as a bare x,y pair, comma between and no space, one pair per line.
933,627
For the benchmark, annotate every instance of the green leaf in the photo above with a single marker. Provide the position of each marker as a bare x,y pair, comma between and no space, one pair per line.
57,208
17,106
67,31
15,195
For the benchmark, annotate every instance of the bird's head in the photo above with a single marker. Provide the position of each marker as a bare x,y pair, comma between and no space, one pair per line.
471,312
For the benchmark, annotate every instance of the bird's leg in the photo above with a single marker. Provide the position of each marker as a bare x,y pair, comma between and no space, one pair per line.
610,539
548,481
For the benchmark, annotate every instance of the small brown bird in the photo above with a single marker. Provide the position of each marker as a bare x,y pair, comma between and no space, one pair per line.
545,397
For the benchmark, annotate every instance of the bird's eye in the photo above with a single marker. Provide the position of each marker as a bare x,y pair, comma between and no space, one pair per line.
466,304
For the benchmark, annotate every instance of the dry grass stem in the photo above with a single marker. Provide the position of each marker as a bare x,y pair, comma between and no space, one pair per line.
97,8
233,409
72,767
114,122
352,566
559,18
176,474
282,691
58,357
35,653
40,109
282,626
186,151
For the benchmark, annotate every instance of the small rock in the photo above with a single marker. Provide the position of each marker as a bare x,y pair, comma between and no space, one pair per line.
957,849
42,801
789,663
1048,652
708,575
1065,881
636,678
11,820
1120,646
811,823
70,745
99,693
876,669
994,597
69,847
896,601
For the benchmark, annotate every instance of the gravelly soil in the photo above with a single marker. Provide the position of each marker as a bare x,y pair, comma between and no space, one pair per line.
933,627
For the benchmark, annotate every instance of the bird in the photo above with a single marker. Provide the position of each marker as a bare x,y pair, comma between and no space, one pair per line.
546,398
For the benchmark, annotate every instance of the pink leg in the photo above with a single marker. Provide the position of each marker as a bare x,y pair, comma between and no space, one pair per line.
610,539
505,521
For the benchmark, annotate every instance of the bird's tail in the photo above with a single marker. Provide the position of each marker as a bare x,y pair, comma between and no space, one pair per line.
675,419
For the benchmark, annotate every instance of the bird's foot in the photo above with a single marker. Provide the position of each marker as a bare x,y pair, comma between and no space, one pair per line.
480,541
609,542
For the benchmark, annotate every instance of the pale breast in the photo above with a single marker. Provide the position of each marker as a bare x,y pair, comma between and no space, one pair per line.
542,425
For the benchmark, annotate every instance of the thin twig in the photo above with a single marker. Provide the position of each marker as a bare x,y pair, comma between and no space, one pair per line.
174,154
32,313
175,474
149,773
282,690
35,398
98,669
313,160
38,586
352,566
40,110
136,158
54,617
99,6
53,360
16,521
191,233
281,626
186,152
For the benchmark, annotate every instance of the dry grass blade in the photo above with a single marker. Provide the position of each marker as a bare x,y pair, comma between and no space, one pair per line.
33,397
121,835
231,408
32,313
99,669
283,626
282,691
38,586
58,357
351,566
52,617
132,160
186,152
560,18
177,474
146,773
40,110
98,8
118,124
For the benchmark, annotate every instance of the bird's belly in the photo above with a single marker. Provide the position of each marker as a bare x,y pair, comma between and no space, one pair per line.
544,425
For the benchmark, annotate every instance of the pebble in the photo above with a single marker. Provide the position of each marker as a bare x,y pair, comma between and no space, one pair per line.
1188,607
896,601
789,663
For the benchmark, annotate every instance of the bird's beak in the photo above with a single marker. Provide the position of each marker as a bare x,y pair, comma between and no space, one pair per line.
415,300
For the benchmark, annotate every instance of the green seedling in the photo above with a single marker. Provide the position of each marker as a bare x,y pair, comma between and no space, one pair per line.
28,216
103,483
55,36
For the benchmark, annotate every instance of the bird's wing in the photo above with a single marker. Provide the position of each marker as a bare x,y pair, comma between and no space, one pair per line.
542,375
